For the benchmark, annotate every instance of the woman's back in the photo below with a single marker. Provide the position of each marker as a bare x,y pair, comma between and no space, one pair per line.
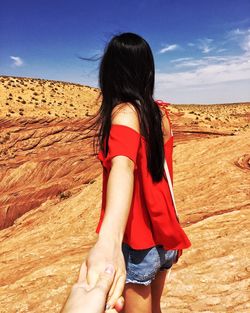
152,220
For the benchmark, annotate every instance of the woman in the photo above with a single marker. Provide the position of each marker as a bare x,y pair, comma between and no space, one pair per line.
139,231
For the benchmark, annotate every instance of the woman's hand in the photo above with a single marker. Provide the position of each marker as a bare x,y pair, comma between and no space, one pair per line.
103,253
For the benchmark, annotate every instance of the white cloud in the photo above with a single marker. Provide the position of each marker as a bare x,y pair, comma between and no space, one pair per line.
180,60
240,37
228,92
245,44
191,62
169,48
211,71
210,78
205,45
17,61
213,79
221,50
237,31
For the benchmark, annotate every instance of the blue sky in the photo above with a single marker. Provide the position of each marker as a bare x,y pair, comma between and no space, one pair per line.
201,48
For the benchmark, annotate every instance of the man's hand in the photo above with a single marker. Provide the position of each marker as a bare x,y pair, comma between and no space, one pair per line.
86,299
100,254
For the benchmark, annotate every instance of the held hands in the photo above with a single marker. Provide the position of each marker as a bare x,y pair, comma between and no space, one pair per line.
103,253
84,299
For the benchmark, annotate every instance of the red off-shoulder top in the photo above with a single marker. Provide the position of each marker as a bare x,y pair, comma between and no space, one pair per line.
152,220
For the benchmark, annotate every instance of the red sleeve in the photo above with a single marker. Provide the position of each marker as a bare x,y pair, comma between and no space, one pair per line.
123,140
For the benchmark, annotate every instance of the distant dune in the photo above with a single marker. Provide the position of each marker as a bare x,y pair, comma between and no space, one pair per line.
30,97
50,182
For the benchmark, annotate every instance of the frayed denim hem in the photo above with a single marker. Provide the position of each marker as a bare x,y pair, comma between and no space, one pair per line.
146,283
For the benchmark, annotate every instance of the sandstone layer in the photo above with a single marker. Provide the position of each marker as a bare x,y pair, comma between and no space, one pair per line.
51,195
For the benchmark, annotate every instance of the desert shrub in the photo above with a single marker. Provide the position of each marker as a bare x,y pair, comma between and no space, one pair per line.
64,195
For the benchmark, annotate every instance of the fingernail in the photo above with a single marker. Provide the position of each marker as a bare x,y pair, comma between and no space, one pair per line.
107,307
109,269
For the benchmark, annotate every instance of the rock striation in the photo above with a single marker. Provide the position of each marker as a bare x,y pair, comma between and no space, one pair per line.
50,198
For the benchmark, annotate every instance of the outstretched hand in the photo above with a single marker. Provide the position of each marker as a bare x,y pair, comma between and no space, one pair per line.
91,299
102,253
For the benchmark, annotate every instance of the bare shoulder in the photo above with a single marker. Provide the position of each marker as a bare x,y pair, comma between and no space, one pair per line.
125,114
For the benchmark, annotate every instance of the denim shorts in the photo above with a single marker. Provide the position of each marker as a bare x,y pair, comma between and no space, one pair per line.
143,265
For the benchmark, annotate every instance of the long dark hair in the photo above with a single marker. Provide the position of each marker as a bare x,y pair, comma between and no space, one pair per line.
127,74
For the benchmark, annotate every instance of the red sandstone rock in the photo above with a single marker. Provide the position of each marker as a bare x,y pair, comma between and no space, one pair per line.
51,180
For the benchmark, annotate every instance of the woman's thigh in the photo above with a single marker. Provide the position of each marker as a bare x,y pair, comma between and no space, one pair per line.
141,298
157,287
137,298
146,269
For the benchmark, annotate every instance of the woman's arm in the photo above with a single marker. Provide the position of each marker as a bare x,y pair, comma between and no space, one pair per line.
119,195
120,188
120,183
